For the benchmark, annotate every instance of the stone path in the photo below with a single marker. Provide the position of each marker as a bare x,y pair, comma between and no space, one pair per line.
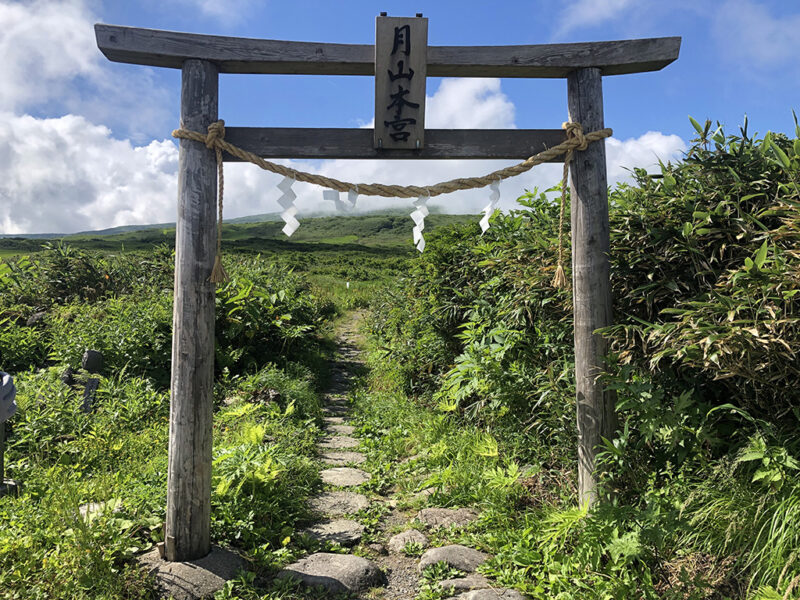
397,553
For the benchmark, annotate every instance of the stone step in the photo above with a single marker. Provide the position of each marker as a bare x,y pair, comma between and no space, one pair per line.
340,429
336,504
491,594
457,556
333,420
342,458
336,572
337,442
446,517
344,476
341,531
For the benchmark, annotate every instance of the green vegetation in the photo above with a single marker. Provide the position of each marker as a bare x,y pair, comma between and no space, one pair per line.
468,396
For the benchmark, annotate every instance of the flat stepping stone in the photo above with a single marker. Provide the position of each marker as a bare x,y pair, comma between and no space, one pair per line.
446,517
491,594
342,531
194,579
333,420
341,429
473,581
336,410
336,573
338,503
412,536
342,458
336,442
344,476
457,556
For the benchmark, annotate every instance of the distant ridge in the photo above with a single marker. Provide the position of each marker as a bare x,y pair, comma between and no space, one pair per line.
260,218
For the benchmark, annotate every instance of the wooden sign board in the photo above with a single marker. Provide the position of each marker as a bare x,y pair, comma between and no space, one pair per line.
401,68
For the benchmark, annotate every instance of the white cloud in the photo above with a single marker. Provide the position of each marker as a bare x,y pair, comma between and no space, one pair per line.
226,11
67,174
582,13
51,63
750,36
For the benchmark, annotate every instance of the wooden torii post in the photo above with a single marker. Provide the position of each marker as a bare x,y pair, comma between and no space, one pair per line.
202,57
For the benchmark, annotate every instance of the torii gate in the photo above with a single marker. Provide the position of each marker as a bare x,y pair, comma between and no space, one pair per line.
202,57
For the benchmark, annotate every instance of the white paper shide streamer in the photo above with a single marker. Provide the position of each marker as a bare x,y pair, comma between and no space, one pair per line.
494,200
341,205
289,209
418,216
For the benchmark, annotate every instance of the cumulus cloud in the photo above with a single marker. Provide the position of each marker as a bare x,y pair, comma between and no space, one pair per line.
582,13
51,64
750,36
67,174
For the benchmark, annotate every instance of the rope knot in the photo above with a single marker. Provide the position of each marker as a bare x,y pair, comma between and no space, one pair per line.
575,132
216,131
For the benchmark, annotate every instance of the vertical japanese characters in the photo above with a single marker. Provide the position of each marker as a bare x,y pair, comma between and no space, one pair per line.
400,73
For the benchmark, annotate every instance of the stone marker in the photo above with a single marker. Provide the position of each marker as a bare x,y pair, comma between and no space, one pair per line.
335,572
342,458
341,531
412,536
491,594
473,581
344,476
457,556
446,517
92,361
195,579
341,429
337,442
338,503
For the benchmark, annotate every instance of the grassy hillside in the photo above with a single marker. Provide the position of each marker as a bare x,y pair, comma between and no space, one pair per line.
373,230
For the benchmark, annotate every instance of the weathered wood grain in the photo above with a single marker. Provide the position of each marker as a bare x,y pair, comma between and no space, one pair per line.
400,69
590,276
188,520
158,48
296,142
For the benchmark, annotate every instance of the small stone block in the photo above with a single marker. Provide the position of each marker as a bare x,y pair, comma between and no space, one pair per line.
342,458
337,442
491,594
465,584
344,476
412,536
341,531
92,361
457,556
336,573
194,579
338,503
446,517
9,487
341,429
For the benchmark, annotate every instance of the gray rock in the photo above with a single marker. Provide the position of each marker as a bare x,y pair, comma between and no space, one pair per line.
341,531
379,549
92,361
341,429
335,410
337,442
445,517
35,318
457,556
339,503
342,458
473,581
195,579
335,572
412,536
344,476
491,594
333,420
91,510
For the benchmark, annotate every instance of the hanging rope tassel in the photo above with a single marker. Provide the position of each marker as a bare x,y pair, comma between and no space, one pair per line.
575,132
217,131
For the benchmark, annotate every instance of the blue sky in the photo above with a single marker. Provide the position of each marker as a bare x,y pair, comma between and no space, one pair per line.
85,143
